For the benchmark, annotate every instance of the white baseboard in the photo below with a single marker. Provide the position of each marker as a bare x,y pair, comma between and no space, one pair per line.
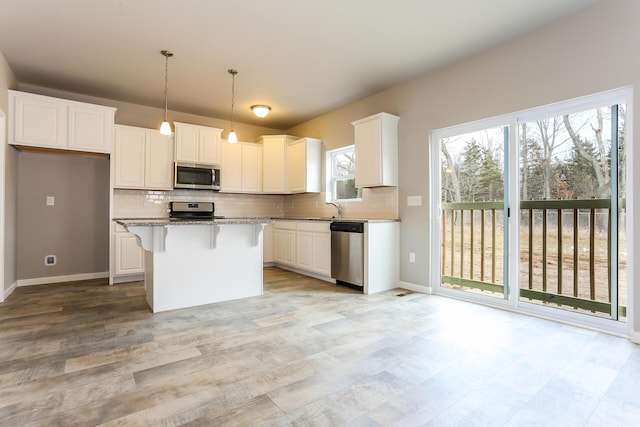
10,289
416,288
60,279
635,337
305,273
126,279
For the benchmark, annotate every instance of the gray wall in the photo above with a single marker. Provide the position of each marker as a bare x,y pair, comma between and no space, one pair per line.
8,179
590,52
76,228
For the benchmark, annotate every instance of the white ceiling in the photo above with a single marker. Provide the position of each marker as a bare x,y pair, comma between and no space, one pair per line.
302,57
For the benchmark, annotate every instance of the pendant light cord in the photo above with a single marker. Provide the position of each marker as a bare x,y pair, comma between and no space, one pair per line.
233,95
166,84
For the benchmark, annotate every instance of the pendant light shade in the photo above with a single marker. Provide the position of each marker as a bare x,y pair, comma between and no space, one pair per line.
232,138
165,128
260,110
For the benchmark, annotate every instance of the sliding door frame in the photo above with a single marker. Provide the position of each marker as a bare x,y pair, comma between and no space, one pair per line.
512,189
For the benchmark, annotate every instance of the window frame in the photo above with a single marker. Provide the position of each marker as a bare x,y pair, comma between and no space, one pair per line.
332,179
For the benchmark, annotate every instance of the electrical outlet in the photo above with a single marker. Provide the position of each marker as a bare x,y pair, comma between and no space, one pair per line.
51,200
412,257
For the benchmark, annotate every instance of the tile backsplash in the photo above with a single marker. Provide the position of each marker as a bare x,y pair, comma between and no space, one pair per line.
376,203
155,204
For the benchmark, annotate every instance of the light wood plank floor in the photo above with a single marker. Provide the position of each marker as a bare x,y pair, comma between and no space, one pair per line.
305,353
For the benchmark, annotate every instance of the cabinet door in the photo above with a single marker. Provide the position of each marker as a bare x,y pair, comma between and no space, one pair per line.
158,164
231,168
129,254
368,151
267,242
274,166
129,157
40,121
187,144
304,250
321,248
90,129
252,168
209,147
284,246
296,167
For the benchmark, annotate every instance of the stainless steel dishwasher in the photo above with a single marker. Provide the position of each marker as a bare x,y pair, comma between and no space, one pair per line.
347,253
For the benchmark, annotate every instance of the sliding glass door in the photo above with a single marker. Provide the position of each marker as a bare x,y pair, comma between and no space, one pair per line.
530,209
473,227
573,211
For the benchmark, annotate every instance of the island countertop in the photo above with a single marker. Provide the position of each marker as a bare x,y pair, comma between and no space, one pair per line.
151,222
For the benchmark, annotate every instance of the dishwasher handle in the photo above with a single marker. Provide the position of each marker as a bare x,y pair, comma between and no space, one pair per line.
347,227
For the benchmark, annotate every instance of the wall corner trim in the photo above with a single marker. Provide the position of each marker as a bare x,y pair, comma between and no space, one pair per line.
635,337
10,290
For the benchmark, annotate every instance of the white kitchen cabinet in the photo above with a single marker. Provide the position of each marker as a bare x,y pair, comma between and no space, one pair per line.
251,168
48,122
274,163
304,245
143,159
241,168
197,144
284,243
313,243
291,165
90,128
128,256
267,244
376,141
381,256
158,161
231,168
304,161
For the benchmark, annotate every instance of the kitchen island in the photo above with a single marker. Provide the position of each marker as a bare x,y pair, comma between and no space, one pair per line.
196,262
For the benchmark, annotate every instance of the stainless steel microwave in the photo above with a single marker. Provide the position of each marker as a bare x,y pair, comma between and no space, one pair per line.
197,176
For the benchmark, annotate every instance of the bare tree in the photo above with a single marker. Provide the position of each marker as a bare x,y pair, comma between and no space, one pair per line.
451,172
598,161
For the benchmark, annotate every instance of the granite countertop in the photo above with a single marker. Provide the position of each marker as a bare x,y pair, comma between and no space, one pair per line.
179,221
338,219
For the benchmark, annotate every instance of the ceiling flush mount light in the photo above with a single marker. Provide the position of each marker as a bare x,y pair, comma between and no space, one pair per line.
260,110
232,138
165,128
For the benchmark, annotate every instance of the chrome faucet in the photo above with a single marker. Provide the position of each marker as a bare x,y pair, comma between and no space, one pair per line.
338,206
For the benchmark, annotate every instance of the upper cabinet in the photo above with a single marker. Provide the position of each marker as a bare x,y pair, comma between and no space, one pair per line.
304,160
197,144
376,140
47,122
291,164
241,168
143,159
274,163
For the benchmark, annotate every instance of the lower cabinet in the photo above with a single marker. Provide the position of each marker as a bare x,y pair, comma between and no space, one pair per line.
128,254
305,245
313,247
284,243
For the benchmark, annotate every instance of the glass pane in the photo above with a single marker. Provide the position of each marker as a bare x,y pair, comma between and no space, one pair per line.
344,164
473,216
346,189
565,224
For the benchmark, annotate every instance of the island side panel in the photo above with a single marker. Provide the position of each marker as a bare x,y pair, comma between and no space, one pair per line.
192,270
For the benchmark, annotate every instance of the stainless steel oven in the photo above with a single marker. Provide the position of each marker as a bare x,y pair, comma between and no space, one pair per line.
197,176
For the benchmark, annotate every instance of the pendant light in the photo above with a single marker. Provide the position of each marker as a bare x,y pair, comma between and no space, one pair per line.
260,110
232,138
165,128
